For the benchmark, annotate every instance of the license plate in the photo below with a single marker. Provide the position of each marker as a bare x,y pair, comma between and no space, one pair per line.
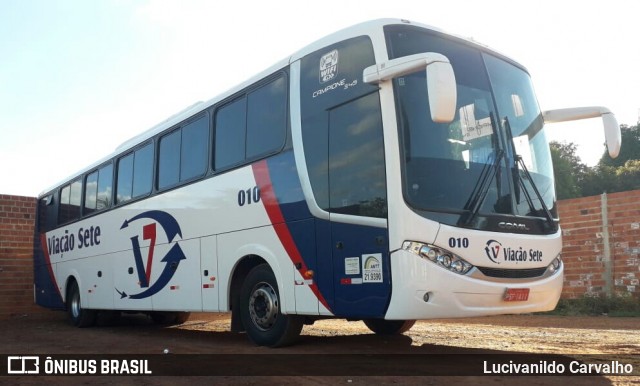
516,295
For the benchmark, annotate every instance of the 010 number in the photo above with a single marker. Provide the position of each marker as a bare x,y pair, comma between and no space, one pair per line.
458,242
249,196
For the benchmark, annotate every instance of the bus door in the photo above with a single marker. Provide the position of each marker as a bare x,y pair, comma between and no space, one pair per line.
342,135
358,208
362,276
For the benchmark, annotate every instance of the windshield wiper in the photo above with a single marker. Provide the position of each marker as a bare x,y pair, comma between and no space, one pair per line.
480,190
545,209
520,182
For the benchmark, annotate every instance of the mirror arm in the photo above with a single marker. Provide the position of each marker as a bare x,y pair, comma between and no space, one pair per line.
574,114
401,66
611,126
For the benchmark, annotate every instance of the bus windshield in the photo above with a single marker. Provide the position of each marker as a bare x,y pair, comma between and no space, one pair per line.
493,158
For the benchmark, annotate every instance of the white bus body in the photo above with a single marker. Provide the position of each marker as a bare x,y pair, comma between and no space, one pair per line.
331,185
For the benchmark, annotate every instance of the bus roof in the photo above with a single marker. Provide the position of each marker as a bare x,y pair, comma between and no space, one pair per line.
365,28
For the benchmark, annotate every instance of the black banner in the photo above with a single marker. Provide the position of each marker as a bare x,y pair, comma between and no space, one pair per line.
321,365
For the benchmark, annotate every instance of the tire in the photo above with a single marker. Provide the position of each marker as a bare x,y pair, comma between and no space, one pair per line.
260,311
389,327
79,317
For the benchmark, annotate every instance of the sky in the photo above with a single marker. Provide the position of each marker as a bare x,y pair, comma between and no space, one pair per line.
78,78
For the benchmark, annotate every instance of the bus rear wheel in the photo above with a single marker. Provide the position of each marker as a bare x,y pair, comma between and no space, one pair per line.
260,310
80,317
389,327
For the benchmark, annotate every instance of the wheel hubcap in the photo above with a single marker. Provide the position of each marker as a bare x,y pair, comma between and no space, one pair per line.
263,306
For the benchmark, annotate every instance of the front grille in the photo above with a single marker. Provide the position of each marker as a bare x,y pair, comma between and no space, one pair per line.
513,273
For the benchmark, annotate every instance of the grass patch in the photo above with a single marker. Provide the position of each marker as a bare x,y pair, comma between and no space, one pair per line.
617,306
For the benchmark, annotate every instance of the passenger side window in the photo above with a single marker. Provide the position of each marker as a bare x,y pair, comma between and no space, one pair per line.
251,126
357,177
98,187
266,118
195,149
125,178
169,160
230,134
135,174
70,198
184,153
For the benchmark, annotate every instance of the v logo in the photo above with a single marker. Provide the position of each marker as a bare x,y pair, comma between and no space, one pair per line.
493,250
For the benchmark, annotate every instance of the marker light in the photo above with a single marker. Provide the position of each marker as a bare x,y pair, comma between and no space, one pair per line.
438,256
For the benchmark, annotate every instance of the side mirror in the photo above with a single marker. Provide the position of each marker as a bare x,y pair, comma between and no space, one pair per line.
441,81
611,127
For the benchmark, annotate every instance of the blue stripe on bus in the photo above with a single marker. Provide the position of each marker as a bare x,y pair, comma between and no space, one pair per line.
47,293
314,242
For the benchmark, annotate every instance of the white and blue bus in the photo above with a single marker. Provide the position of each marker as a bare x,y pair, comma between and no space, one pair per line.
387,173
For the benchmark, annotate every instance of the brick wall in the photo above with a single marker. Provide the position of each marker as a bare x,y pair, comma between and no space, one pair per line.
601,244
598,259
17,215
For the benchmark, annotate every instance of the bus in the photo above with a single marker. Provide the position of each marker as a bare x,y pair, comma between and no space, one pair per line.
388,173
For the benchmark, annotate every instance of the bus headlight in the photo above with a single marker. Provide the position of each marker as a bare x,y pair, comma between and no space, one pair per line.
555,264
438,256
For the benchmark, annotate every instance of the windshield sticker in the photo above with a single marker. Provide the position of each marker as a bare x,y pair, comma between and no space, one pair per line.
372,268
523,149
328,66
473,128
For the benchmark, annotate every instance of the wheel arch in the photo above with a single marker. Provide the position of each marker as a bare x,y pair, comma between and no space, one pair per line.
236,258
71,278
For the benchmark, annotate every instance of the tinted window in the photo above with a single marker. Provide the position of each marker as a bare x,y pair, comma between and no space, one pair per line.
195,149
230,134
142,170
356,159
169,160
63,213
47,213
183,153
252,126
91,193
266,118
70,198
135,173
331,88
98,186
125,178
105,187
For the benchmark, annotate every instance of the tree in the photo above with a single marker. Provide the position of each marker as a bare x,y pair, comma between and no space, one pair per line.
620,174
628,176
612,179
599,179
569,170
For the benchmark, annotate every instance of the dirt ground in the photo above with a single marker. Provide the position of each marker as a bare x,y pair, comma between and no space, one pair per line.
613,338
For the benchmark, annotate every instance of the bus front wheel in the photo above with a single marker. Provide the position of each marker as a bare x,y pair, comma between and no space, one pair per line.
80,317
260,310
389,327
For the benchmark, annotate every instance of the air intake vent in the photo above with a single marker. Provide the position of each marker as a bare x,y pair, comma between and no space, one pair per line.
513,273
